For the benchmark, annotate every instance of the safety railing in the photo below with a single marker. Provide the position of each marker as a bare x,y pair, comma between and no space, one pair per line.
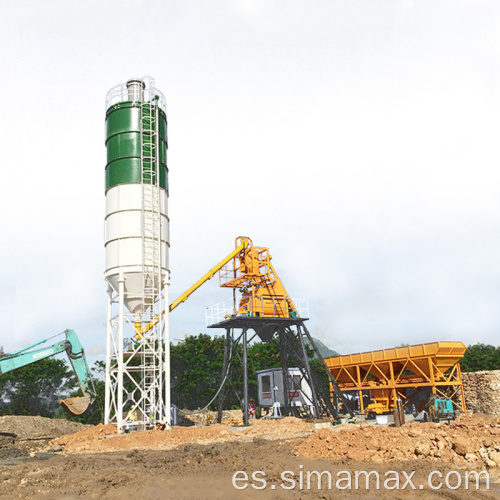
219,312
119,93
223,310
302,306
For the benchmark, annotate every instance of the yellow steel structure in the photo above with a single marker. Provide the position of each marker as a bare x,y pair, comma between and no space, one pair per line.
263,293
209,275
400,372
248,269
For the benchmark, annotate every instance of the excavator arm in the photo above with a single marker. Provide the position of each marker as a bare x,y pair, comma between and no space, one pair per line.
76,356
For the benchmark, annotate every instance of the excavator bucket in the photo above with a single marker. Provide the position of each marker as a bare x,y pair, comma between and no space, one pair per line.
75,406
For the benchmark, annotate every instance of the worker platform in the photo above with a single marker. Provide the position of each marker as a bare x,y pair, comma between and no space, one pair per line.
265,328
410,373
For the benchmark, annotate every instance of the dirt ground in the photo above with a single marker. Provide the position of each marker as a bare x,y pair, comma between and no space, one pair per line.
201,462
32,433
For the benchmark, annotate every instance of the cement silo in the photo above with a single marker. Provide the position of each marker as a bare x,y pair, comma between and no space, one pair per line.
136,262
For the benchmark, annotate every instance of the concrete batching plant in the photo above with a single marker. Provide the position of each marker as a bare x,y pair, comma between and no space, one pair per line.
136,267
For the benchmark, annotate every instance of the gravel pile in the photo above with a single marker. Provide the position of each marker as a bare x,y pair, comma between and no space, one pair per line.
470,438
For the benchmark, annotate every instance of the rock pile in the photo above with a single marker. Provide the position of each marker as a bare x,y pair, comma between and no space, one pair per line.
470,438
482,392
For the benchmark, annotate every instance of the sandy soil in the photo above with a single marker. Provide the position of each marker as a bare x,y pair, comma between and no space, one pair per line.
104,437
33,433
199,462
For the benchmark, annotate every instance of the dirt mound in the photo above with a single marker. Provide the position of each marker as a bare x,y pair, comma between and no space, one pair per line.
21,434
286,427
105,438
38,427
469,439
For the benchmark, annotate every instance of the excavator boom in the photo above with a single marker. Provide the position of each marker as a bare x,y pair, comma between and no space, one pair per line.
76,355
78,405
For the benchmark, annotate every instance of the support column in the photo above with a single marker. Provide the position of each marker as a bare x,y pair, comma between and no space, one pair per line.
284,370
121,326
393,385
166,339
360,391
245,378
431,375
460,382
109,333
308,370
222,394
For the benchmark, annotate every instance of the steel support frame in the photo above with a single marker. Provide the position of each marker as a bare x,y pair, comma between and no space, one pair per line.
137,392
291,339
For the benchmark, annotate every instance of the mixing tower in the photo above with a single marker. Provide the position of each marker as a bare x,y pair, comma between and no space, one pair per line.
137,243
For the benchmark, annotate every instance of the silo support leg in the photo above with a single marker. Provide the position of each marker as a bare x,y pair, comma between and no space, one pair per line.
223,392
245,378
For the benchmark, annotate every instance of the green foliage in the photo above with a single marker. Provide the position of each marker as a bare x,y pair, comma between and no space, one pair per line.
196,370
480,357
196,374
35,389
196,366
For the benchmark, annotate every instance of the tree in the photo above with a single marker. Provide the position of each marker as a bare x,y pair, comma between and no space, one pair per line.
480,357
35,389
196,366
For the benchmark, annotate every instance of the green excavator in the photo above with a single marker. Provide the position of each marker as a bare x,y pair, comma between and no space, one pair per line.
76,355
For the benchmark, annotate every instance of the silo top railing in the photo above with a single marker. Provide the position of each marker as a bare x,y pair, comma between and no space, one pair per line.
119,93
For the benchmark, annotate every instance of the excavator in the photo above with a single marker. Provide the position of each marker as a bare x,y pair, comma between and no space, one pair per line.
76,355
249,269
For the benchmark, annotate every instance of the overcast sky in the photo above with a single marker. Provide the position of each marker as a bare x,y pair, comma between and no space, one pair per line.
358,140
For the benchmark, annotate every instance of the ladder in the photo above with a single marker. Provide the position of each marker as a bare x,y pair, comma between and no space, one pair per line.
151,218
151,253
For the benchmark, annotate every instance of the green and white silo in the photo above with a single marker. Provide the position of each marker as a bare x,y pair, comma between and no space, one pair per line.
136,262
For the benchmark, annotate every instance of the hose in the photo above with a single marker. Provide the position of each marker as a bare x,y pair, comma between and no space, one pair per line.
218,390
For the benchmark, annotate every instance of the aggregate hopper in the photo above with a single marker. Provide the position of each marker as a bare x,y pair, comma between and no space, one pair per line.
387,375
